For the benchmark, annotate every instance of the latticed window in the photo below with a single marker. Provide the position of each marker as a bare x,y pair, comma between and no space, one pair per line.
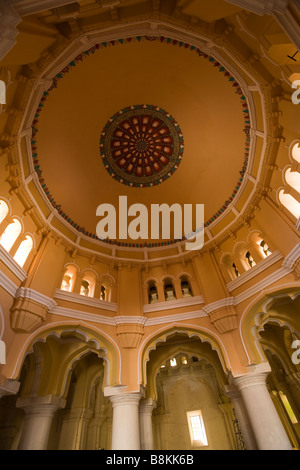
196,428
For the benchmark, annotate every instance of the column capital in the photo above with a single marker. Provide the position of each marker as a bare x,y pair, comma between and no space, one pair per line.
8,387
256,376
41,405
233,392
147,406
119,397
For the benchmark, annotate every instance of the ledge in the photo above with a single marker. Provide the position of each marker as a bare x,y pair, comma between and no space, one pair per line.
171,304
84,300
15,268
252,272
121,320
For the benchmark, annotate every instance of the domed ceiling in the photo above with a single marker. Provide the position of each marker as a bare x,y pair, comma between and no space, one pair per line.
157,121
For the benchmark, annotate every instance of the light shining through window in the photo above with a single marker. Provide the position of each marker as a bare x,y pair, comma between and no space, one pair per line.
196,427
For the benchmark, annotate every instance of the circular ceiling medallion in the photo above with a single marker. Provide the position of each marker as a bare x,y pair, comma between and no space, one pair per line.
141,146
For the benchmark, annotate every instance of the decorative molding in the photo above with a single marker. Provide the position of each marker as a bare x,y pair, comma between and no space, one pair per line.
14,267
9,19
8,285
29,7
261,7
267,282
292,257
176,318
80,315
252,272
123,319
30,294
171,304
84,300
53,308
29,310
223,303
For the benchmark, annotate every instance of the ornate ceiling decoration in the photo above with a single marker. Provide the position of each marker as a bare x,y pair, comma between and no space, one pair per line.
141,146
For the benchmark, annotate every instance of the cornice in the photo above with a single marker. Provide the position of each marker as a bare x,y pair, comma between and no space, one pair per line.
8,285
14,267
29,7
171,304
84,300
30,294
292,257
53,308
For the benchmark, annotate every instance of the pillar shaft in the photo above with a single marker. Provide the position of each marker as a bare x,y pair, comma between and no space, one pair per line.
125,425
39,412
266,424
242,416
145,410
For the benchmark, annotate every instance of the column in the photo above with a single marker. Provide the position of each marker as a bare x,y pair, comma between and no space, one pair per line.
74,429
125,425
177,287
266,424
145,410
39,412
160,291
8,387
241,414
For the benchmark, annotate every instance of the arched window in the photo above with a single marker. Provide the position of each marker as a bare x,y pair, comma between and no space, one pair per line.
186,288
10,234
236,272
103,293
106,290
88,284
265,249
85,288
296,152
3,210
293,179
290,203
23,251
169,290
68,281
152,293
250,260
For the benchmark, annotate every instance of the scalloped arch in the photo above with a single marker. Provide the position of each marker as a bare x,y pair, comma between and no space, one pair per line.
259,312
161,335
95,339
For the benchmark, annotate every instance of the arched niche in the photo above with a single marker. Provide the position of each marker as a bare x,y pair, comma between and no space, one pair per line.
69,277
185,285
228,267
281,307
48,340
88,283
169,288
206,339
259,244
108,287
